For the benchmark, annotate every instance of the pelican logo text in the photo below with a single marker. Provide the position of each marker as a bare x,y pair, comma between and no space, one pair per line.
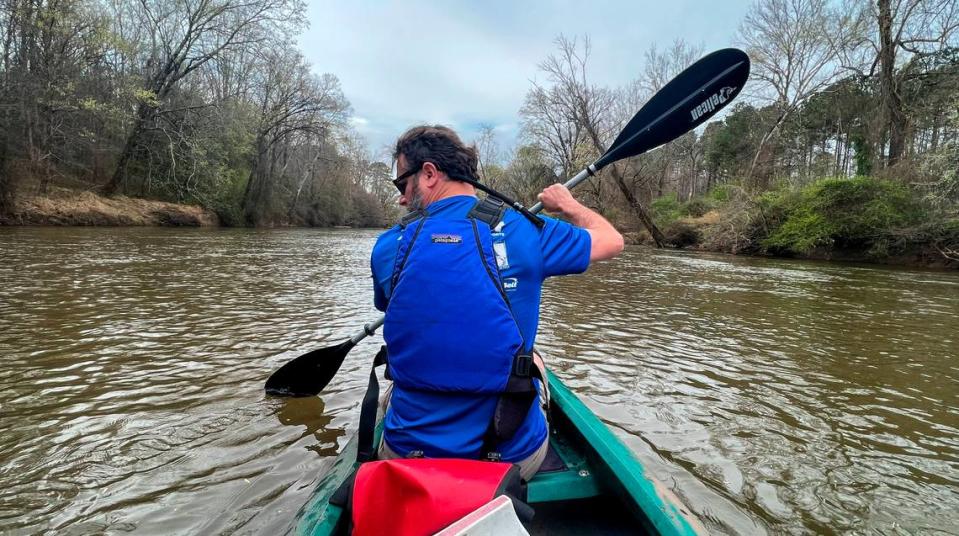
710,104
446,238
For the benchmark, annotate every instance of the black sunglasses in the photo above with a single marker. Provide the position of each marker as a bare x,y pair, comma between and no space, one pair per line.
400,182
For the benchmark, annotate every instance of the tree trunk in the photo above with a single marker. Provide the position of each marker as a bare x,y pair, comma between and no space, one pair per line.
634,203
838,154
894,117
120,172
257,197
307,175
762,144
638,208
843,162
934,141
7,186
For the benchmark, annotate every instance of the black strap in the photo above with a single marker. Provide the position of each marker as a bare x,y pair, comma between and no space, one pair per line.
513,405
489,210
366,450
520,393
409,248
413,216
516,205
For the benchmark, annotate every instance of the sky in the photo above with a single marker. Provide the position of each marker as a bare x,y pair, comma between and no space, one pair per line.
466,64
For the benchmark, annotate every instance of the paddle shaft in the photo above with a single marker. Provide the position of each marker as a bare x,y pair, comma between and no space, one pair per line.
594,168
368,329
570,184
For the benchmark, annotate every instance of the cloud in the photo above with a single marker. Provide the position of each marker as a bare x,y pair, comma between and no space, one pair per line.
469,64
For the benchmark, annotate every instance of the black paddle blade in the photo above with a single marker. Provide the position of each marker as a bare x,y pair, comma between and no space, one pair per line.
687,101
308,374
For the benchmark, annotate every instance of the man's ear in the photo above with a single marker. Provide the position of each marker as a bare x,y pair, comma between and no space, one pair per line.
430,173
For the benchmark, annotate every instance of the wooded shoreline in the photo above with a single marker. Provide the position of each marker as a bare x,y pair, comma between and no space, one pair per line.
83,208
847,138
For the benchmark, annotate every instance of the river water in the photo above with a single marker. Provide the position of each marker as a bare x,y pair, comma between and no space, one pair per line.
772,396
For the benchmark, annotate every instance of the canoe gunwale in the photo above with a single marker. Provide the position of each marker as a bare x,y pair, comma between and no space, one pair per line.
621,473
598,464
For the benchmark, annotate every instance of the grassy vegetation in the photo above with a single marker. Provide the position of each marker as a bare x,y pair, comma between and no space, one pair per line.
859,217
63,206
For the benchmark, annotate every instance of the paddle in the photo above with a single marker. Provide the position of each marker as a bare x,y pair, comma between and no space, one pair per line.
308,374
687,101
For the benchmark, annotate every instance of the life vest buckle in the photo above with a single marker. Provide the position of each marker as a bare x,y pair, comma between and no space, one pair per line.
523,365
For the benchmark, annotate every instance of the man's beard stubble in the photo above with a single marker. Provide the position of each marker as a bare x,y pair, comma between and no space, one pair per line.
416,200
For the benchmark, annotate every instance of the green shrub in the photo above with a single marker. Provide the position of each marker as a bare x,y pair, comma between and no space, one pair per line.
697,207
668,209
801,232
720,193
773,209
857,213
665,210
227,199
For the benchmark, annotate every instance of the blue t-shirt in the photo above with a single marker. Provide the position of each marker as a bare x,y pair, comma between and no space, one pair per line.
526,256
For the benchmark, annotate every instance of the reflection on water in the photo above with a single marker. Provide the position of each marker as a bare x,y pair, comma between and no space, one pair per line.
773,396
815,397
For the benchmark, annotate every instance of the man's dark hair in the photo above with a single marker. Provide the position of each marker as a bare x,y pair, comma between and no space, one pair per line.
441,146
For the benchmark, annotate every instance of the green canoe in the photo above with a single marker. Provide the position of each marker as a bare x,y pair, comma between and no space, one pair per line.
595,485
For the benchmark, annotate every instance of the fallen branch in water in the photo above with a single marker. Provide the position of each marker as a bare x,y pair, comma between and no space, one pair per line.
949,253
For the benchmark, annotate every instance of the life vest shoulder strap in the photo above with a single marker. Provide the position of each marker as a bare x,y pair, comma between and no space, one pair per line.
413,216
520,392
489,210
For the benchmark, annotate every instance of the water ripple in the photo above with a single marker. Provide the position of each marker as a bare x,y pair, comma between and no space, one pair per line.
772,396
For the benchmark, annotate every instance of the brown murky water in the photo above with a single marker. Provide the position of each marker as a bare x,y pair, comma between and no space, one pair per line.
772,396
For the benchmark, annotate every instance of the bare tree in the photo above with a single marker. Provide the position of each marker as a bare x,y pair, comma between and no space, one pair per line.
792,55
546,125
490,157
183,36
572,119
294,107
665,164
529,171
47,48
885,37
663,66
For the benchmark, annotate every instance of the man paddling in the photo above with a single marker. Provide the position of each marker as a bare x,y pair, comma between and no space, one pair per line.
460,282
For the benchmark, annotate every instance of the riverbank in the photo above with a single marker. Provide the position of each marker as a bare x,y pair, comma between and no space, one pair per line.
926,255
83,208
721,222
860,219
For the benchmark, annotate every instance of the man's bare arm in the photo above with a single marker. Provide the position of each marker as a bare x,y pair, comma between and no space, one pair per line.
607,242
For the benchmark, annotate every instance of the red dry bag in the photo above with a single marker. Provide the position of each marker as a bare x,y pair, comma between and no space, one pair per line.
421,496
